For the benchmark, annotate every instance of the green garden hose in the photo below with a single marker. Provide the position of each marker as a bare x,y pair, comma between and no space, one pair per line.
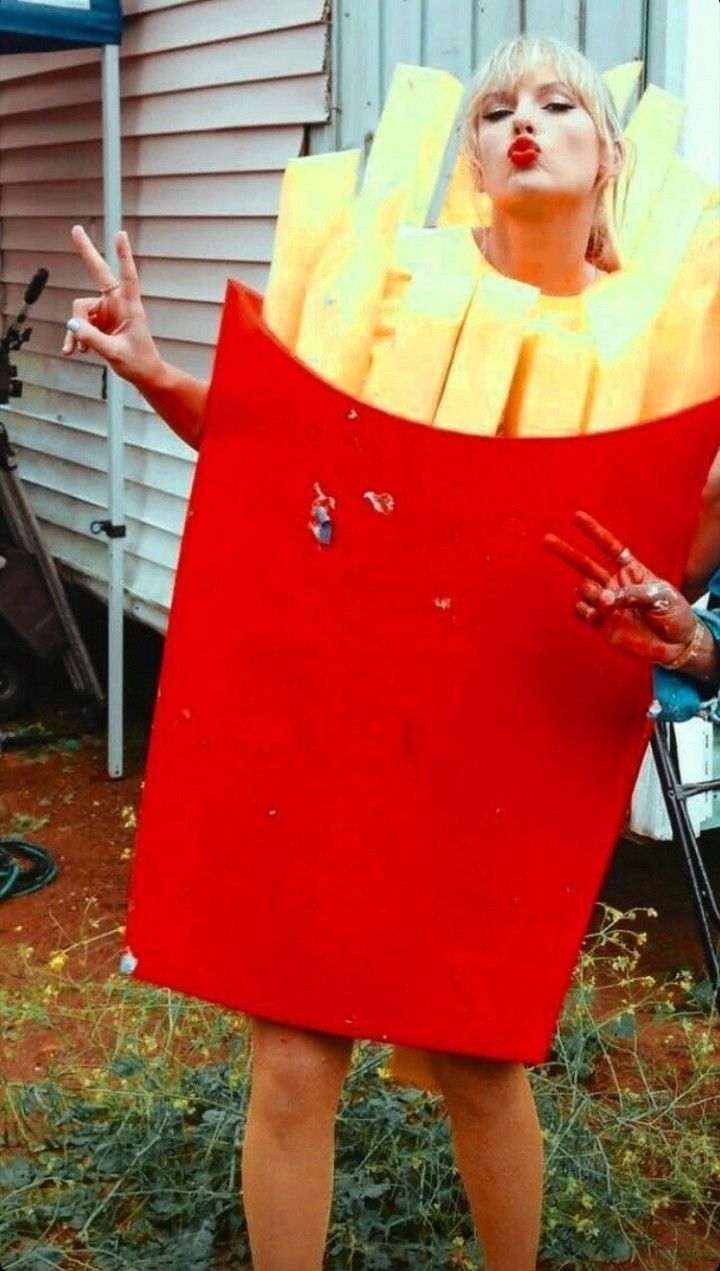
24,868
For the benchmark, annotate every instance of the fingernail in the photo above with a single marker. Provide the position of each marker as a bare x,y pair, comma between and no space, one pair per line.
607,596
66,345
73,324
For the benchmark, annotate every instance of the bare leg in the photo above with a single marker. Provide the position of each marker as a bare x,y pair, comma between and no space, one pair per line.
289,1147
499,1152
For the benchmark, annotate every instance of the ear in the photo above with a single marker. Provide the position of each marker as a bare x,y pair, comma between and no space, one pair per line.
476,173
612,158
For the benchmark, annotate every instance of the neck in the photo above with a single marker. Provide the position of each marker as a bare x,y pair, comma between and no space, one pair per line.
546,253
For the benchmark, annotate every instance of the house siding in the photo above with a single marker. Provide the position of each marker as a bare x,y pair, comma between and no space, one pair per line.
217,96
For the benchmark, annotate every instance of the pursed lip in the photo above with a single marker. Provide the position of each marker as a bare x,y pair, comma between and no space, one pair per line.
523,151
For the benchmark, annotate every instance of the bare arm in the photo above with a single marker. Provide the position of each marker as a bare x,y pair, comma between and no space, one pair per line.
179,400
114,324
704,557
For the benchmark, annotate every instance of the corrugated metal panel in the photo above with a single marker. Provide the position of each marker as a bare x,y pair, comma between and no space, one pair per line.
217,96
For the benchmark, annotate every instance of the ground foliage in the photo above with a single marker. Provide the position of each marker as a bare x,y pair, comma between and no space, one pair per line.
132,1160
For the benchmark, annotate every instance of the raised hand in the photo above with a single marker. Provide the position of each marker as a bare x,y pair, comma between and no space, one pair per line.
113,323
639,612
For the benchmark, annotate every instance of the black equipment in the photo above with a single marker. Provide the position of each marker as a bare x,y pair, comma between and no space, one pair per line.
36,621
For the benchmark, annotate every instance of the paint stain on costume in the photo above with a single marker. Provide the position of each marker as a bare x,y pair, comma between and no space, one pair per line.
321,522
382,503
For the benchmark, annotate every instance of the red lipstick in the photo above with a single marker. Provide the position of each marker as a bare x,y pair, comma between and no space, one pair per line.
523,152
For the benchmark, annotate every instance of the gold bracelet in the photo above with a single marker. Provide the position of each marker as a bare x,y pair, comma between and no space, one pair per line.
692,649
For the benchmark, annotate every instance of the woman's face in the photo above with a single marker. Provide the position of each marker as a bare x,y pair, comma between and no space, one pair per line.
538,146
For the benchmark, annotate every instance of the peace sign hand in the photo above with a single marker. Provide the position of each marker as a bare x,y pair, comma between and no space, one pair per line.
640,613
113,324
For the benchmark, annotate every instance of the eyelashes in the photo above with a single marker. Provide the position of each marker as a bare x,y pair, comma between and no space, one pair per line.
501,112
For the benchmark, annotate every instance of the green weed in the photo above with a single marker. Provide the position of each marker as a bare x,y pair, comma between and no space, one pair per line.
124,1153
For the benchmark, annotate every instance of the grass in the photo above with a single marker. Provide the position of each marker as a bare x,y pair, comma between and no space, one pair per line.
124,1152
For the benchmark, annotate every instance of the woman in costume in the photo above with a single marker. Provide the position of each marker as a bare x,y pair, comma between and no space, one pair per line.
544,140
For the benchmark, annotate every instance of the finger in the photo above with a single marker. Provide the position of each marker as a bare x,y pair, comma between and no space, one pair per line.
94,262
90,309
577,560
127,270
597,595
634,573
85,308
87,337
588,613
616,551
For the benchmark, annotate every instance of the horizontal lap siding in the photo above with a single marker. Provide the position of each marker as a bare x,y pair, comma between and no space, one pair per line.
217,95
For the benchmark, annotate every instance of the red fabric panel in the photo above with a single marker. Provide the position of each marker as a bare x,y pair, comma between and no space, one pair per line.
387,775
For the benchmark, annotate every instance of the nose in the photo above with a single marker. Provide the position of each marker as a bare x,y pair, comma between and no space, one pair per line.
525,117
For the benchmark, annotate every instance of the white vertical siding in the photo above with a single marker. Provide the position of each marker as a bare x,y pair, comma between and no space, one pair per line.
217,95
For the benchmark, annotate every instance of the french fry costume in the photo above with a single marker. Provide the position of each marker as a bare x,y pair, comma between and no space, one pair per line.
388,768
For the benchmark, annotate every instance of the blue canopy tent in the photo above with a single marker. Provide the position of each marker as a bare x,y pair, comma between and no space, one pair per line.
42,26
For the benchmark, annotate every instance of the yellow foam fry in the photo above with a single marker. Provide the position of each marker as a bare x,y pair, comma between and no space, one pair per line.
623,310
620,313
418,330
344,293
685,362
411,137
315,192
621,82
550,390
463,204
652,134
671,224
482,370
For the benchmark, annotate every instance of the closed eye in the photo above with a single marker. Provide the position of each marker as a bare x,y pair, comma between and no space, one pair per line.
500,112
559,107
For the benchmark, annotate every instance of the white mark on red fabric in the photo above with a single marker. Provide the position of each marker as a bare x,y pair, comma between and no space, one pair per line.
383,503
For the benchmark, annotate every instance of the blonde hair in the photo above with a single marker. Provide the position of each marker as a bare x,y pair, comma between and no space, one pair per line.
501,72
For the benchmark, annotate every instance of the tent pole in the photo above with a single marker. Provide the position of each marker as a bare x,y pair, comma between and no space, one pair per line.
112,170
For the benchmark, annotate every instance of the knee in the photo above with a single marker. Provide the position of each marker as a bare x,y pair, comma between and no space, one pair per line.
480,1088
297,1076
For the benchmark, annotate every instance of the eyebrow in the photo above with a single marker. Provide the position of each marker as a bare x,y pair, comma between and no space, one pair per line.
555,84
502,94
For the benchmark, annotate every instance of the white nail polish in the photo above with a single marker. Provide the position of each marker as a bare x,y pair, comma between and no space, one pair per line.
73,324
